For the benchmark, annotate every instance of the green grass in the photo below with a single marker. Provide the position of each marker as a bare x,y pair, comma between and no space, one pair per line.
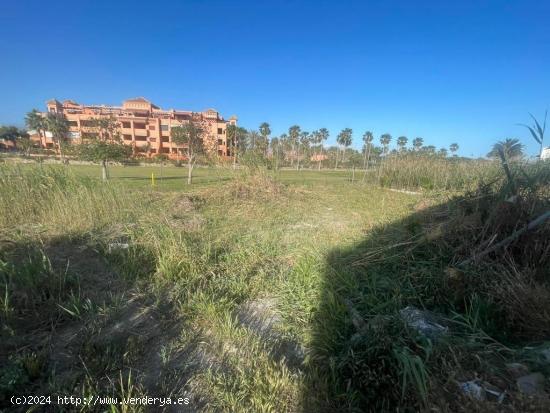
162,317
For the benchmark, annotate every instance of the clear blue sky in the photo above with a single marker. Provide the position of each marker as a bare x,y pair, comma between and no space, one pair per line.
464,71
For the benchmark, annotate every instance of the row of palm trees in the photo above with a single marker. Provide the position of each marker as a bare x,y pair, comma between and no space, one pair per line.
298,145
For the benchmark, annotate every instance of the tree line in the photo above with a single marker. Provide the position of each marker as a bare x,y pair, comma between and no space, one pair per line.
296,148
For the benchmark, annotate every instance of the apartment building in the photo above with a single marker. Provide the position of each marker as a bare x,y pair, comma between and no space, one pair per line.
143,125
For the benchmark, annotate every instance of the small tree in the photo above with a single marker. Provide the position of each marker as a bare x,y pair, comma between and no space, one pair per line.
191,136
237,140
9,133
104,145
24,142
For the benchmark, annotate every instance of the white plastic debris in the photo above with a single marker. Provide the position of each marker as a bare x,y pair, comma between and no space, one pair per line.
482,391
422,321
473,390
117,246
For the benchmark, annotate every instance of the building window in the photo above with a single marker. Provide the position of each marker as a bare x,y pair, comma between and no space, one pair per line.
139,125
73,123
220,152
220,132
151,127
141,138
126,125
165,139
164,127
127,137
164,150
220,142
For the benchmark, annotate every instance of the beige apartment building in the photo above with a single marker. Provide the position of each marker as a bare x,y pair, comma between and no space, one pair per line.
143,125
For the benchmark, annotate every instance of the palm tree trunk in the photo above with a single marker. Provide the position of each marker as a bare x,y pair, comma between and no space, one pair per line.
189,171
320,156
234,156
367,166
190,164
104,175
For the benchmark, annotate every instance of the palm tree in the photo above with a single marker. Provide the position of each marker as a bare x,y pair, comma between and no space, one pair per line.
402,142
453,148
322,137
385,140
293,135
368,137
417,143
344,139
265,131
35,120
284,144
254,137
274,143
304,145
511,148
537,132
58,125
430,149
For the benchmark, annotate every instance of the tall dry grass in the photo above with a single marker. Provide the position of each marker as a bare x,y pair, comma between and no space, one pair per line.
55,198
424,172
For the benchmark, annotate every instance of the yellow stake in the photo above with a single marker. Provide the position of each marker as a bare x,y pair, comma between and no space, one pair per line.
152,179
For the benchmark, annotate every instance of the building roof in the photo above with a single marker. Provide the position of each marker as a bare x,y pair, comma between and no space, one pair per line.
138,99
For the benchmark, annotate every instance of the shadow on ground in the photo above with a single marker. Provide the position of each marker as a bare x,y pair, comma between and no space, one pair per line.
364,356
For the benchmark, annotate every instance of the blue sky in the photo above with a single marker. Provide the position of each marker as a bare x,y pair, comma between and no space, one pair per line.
448,71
